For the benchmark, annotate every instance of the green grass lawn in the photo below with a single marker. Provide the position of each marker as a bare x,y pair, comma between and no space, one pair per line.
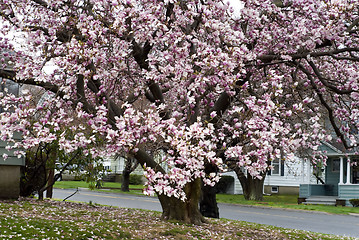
285,201
83,184
275,200
48,219
107,186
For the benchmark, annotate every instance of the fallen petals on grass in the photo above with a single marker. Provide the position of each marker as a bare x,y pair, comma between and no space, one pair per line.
33,219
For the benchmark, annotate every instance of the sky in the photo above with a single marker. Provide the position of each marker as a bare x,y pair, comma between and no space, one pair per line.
237,5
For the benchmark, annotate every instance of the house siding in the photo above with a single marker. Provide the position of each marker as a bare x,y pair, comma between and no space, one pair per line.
235,187
10,171
348,191
12,159
9,181
304,190
292,175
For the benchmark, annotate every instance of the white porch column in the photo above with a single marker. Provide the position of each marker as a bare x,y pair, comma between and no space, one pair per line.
348,171
303,175
341,173
308,171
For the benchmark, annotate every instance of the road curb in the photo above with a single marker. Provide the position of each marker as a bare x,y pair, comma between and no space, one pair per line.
354,214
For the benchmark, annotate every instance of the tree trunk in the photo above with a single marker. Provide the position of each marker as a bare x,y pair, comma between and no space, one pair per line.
41,194
187,211
252,187
51,181
173,208
130,166
208,204
125,186
41,189
254,191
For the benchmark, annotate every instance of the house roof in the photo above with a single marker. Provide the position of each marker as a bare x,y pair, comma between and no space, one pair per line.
335,148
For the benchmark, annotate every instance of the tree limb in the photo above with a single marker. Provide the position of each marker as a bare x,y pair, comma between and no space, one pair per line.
295,56
326,105
325,82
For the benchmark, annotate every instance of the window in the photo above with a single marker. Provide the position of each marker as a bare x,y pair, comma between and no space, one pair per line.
274,189
336,165
276,167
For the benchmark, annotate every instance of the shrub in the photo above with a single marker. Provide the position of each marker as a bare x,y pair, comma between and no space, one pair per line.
224,183
136,179
354,202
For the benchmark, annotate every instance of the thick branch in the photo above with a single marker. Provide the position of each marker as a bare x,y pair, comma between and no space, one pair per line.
240,174
146,160
272,57
11,75
40,2
220,106
354,23
325,82
156,92
8,74
141,54
80,85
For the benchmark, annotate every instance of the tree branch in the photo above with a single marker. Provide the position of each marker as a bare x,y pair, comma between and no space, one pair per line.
271,57
326,105
80,85
325,82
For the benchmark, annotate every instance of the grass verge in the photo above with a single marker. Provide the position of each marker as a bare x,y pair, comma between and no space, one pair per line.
107,186
285,201
32,219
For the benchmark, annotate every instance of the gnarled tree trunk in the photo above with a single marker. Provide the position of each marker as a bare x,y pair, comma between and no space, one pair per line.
187,211
208,204
173,208
125,185
130,166
252,187
51,181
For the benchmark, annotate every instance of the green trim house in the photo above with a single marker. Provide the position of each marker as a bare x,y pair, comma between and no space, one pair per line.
341,177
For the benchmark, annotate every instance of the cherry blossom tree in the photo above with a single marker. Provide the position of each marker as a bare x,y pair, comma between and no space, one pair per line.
304,74
219,88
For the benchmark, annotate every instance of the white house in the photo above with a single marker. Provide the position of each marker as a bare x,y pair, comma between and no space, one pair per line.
285,178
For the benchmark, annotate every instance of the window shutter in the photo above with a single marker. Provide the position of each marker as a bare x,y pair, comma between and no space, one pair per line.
281,167
269,172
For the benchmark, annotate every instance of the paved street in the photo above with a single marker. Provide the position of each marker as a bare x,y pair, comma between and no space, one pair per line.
343,225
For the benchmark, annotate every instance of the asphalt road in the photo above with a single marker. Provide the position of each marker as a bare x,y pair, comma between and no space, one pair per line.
343,225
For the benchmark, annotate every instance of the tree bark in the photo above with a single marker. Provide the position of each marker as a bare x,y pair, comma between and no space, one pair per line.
254,191
173,208
51,181
130,166
125,186
187,211
208,204
252,187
